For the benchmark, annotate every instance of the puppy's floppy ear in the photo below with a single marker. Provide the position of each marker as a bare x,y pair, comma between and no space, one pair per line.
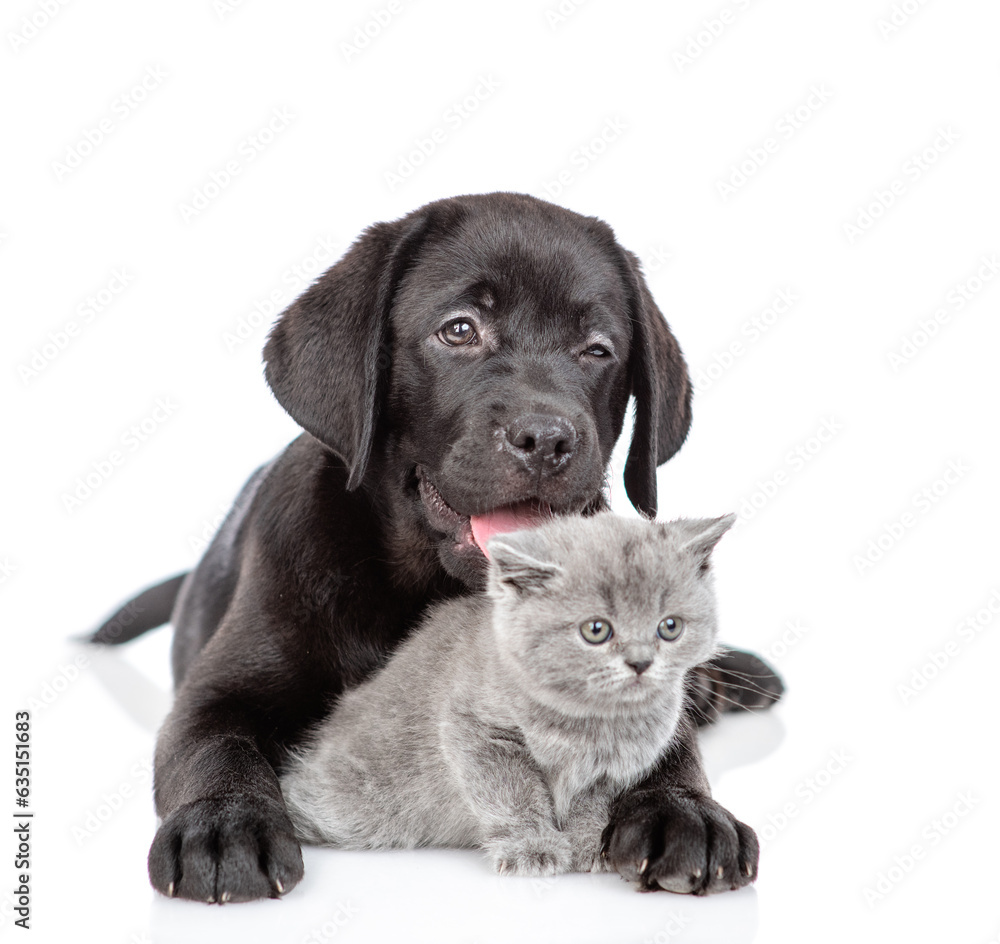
659,381
327,358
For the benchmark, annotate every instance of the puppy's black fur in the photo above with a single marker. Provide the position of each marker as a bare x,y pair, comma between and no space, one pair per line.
476,354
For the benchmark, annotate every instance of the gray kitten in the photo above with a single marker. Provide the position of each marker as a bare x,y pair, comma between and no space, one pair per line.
510,721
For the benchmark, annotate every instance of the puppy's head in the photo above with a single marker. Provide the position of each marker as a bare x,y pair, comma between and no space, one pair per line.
471,364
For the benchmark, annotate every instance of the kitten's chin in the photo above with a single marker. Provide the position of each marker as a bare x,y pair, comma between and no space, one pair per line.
634,697
640,694
627,700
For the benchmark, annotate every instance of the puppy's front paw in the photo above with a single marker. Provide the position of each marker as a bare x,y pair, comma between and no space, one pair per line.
538,854
221,850
685,844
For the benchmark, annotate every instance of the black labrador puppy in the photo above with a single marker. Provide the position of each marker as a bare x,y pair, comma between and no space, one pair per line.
457,372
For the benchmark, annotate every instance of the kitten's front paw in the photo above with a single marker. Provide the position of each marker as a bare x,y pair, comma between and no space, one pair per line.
685,844
545,854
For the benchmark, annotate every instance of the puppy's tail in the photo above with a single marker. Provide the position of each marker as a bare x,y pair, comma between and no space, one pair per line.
149,609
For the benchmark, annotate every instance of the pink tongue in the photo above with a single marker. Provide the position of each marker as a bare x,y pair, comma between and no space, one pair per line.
513,518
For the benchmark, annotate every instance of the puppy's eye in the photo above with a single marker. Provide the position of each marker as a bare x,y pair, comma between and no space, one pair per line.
458,332
596,631
597,350
670,628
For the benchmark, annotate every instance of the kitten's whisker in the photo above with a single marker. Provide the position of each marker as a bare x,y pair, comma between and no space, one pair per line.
744,676
699,712
757,690
725,699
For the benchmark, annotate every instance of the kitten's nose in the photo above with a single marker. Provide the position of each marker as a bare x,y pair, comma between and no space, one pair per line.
640,665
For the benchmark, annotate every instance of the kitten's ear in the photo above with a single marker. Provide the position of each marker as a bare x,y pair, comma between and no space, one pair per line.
702,534
518,561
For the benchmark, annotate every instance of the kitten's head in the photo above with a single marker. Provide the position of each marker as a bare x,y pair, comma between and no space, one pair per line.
605,614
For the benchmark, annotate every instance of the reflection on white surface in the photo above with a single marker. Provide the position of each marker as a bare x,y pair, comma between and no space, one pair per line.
740,739
141,698
445,894
438,895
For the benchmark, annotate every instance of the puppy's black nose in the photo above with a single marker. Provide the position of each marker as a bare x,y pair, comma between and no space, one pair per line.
640,665
543,442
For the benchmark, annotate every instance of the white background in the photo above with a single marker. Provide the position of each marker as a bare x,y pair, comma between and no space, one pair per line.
878,802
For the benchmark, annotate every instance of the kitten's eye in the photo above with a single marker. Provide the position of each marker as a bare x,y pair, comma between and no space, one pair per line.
670,628
458,332
596,631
